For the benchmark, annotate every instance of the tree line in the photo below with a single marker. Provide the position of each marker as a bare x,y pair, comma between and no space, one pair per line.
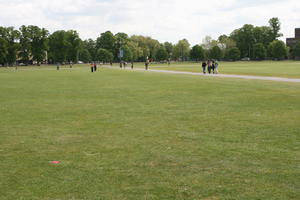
32,44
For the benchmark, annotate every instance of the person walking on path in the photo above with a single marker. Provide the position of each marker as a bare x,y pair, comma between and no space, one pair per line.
57,66
209,63
216,67
147,64
204,67
213,66
131,65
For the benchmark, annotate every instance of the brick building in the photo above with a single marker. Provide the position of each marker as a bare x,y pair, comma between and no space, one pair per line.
291,42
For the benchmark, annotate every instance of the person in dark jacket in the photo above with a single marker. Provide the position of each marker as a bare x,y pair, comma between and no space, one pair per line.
92,67
204,67
95,67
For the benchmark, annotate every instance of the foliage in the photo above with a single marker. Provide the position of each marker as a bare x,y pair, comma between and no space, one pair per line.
104,55
3,51
181,50
90,45
162,54
277,50
233,54
197,53
25,44
84,55
58,46
275,26
106,41
74,45
169,47
216,53
259,51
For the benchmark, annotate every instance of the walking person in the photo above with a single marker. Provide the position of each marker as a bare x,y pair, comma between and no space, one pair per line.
131,65
57,66
147,64
209,63
216,67
213,66
204,67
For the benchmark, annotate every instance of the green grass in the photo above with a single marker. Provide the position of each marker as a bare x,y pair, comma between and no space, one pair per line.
136,135
289,69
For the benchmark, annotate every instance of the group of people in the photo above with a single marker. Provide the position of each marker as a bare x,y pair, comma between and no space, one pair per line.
93,67
212,66
124,64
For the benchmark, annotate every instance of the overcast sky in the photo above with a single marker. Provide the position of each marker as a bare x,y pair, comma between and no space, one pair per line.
164,20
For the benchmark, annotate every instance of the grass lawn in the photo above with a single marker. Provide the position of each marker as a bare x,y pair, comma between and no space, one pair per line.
123,135
289,69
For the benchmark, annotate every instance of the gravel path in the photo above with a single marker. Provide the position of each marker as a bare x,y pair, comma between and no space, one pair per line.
265,78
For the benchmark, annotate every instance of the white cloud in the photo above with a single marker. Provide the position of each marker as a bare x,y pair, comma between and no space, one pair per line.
168,20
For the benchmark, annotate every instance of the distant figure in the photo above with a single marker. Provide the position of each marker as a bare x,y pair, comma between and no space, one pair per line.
92,67
213,66
204,67
216,67
57,66
110,63
209,64
169,62
71,64
131,65
125,64
147,64
95,67
121,64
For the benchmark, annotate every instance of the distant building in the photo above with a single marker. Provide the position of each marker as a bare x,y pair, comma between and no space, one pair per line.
291,42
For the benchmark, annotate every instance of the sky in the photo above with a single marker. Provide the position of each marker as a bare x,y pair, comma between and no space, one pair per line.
164,20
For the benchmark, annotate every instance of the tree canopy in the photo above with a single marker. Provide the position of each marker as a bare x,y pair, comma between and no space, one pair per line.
32,44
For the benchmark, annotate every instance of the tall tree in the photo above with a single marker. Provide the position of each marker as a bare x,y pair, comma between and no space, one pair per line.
74,45
3,51
275,26
197,53
12,38
90,45
25,44
182,50
244,39
169,47
39,43
106,41
58,46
